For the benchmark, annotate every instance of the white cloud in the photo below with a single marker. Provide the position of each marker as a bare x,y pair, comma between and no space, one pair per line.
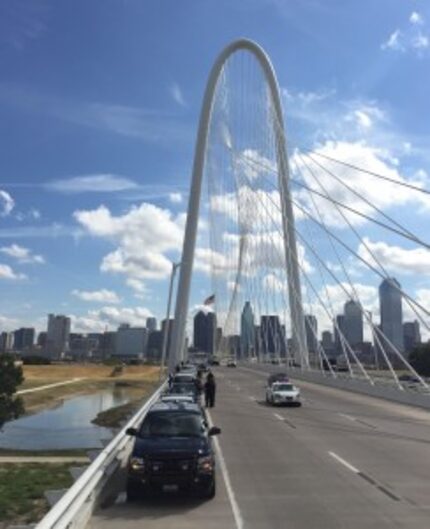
416,18
176,93
110,318
136,285
420,42
413,37
8,324
21,254
175,198
396,259
143,235
394,41
7,203
382,194
6,272
97,183
99,296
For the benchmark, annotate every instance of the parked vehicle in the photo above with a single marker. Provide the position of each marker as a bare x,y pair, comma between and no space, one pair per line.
173,450
185,388
231,362
283,393
177,397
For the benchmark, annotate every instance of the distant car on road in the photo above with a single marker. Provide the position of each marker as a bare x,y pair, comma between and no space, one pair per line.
277,377
214,361
283,393
173,450
231,363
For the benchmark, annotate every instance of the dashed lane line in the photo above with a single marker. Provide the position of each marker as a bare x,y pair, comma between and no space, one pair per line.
364,476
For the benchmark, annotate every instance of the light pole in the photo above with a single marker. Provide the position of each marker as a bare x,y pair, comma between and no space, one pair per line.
175,266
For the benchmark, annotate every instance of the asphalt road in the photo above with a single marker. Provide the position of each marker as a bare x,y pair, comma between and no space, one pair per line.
340,461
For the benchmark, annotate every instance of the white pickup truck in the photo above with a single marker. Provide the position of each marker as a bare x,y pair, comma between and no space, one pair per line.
283,393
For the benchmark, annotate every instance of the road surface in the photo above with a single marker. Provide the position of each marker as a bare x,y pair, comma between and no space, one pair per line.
342,460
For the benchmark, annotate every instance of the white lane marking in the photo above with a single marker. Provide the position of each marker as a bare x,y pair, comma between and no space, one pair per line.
278,416
344,463
252,398
230,492
347,417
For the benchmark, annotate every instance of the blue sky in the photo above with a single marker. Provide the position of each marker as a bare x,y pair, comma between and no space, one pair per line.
99,103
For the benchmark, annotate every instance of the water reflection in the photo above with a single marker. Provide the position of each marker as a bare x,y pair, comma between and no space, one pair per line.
65,426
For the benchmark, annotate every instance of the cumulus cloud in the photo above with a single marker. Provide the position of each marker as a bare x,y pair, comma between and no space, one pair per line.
97,183
7,203
382,194
143,235
6,272
397,259
21,254
99,296
110,318
416,18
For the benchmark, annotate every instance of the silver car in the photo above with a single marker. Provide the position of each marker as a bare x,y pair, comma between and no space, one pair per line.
283,393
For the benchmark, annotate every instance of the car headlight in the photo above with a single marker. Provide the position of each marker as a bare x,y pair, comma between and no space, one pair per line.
205,464
137,463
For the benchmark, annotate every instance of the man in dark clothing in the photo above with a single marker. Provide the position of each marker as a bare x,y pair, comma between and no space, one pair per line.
210,389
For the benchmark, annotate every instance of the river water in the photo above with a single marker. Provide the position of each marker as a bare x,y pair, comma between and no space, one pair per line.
66,426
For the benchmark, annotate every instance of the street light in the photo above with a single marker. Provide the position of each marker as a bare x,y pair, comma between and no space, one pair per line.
175,266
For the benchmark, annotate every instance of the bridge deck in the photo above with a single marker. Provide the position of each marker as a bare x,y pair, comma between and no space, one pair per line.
340,461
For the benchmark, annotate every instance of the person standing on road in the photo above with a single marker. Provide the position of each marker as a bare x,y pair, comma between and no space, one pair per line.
210,390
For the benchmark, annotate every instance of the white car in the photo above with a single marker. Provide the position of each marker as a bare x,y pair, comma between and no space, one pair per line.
283,393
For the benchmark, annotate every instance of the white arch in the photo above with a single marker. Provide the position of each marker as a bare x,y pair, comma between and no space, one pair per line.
176,350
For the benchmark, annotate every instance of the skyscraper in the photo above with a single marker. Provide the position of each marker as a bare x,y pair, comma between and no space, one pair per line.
151,324
339,327
247,337
271,335
353,323
23,339
204,331
57,339
411,335
311,328
390,302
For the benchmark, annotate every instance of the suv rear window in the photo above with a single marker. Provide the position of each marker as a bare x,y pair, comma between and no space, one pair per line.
172,424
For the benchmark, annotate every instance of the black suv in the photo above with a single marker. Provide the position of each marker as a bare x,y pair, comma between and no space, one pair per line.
173,449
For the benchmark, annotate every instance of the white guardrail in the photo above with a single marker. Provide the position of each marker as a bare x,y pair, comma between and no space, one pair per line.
75,507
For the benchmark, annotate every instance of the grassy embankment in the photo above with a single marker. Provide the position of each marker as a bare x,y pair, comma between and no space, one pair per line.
139,380
22,488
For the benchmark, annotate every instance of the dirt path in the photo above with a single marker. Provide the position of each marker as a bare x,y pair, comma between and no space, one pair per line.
49,386
44,459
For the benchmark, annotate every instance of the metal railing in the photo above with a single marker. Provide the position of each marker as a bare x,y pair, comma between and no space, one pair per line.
76,506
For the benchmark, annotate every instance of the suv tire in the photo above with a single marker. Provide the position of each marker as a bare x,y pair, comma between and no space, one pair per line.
208,493
133,492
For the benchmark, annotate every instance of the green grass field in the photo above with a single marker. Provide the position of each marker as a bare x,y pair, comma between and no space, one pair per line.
22,488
